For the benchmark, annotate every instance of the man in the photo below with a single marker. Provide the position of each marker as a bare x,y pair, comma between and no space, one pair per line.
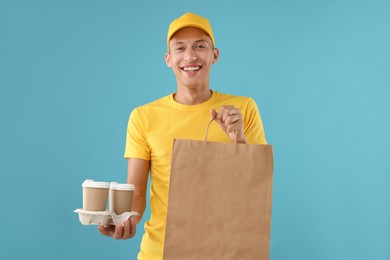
184,114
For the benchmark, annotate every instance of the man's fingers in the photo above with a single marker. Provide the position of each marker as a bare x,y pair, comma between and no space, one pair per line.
230,120
234,127
213,113
102,230
133,227
126,229
220,114
118,233
225,111
227,116
106,230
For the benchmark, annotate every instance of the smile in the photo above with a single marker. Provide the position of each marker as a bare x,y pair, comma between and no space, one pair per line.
193,68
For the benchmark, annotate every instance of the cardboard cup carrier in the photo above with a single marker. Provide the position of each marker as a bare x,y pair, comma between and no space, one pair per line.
95,196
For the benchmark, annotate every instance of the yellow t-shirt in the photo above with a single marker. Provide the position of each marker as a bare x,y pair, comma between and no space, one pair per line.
150,134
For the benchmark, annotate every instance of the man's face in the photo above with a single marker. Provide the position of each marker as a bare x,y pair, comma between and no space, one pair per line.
191,56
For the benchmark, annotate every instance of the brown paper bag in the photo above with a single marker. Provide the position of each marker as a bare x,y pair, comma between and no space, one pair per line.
219,204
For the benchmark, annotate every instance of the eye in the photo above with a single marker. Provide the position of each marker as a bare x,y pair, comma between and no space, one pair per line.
201,46
179,49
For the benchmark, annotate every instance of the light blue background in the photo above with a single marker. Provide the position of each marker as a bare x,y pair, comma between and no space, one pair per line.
71,72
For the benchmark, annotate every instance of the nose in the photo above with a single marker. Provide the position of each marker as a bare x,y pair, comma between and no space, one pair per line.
190,55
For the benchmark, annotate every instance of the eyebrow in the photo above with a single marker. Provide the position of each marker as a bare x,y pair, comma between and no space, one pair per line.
197,41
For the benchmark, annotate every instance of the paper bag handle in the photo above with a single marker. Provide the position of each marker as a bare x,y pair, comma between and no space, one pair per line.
207,132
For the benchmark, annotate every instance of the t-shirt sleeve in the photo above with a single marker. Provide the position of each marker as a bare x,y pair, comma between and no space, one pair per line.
254,130
136,142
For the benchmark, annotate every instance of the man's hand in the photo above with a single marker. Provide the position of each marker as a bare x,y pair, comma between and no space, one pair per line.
118,231
230,120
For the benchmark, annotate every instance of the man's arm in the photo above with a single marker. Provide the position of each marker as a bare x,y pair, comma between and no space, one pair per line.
137,174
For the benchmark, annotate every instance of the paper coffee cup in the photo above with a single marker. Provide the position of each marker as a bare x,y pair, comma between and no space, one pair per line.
121,197
95,195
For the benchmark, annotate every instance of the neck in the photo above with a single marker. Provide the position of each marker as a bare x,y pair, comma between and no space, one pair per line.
192,96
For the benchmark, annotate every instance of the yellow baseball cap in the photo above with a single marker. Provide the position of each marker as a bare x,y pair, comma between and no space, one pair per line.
190,20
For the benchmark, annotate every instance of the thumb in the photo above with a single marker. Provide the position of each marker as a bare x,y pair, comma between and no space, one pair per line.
213,113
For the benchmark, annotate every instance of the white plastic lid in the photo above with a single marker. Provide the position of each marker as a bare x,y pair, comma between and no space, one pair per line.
121,186
96,184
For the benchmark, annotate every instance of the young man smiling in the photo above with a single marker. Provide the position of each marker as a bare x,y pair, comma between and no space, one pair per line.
183,114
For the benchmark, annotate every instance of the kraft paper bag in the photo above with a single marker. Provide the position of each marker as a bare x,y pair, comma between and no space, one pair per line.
220,201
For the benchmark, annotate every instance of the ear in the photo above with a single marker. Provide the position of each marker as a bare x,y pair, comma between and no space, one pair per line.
168,59
215,55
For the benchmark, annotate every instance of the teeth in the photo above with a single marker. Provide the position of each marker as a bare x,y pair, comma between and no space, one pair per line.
191,68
